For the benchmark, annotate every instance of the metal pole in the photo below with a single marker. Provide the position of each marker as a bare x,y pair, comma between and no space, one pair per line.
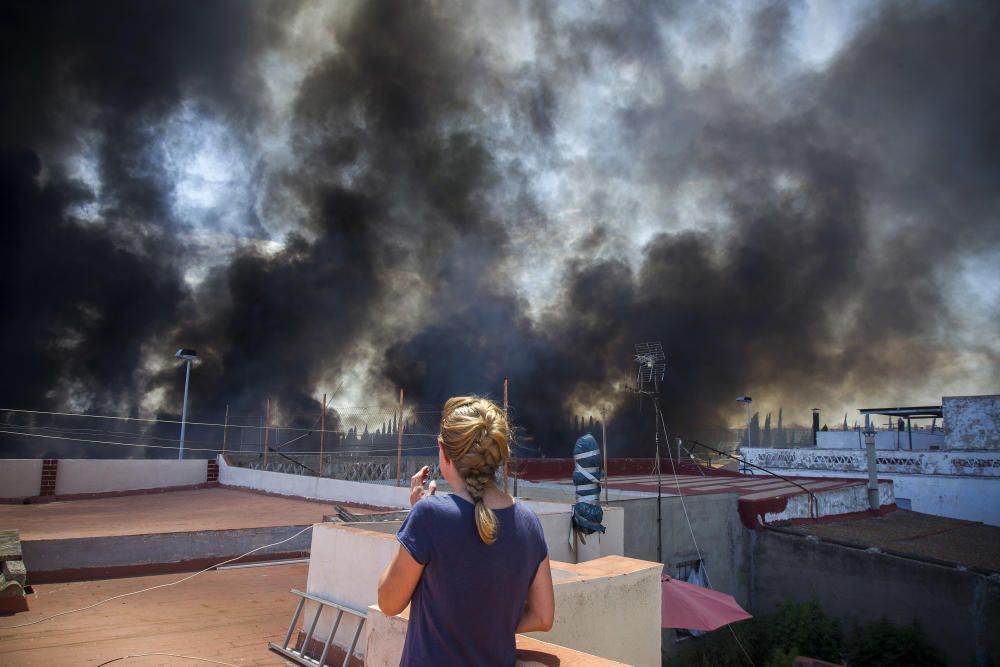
659,486
509,466
749,437
225,429
873,499
399,442
184,408
604,446
322,432
267,426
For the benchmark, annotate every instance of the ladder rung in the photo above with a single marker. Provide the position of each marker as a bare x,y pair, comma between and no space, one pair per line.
300,656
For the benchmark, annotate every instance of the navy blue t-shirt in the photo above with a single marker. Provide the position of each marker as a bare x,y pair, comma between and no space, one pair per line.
467,603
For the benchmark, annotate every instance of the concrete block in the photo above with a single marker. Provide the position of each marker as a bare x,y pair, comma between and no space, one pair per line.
10,545
14,570
10,589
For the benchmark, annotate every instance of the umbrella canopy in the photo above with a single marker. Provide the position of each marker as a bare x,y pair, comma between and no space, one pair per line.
692,607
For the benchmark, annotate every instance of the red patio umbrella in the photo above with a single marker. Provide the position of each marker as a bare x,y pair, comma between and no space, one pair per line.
692,607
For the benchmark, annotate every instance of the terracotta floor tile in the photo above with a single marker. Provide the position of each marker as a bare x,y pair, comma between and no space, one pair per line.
228,616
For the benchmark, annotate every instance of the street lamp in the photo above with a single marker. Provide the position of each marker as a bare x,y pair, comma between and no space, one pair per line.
188,356
748,401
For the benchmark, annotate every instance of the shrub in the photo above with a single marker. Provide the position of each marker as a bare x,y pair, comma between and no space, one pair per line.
804,627
882,644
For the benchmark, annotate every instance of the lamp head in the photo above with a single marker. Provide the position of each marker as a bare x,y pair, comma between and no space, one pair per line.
186,354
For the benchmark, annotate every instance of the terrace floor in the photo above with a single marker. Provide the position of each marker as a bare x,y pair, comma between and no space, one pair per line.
227,616
167,512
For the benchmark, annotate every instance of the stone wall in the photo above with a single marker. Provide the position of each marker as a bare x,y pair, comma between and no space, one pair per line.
972,422
959,610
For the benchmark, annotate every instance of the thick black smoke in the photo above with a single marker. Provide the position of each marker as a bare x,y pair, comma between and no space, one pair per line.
838,206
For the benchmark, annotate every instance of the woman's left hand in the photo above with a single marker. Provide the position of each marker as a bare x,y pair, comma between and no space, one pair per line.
417,489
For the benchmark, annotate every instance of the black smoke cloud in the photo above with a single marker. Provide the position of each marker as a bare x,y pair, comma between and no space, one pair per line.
846,199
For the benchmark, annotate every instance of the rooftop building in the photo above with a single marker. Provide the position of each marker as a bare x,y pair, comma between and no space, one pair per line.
92,530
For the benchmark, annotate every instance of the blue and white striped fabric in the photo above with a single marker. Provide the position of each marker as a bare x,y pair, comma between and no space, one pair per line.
587,512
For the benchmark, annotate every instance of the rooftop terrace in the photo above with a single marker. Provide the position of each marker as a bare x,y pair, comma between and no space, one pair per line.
912,534
165,512
227,615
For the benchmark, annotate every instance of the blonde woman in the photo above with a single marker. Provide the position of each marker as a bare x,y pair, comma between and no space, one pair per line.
473,564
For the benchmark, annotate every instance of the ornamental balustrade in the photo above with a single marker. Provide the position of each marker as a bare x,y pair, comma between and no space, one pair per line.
978,464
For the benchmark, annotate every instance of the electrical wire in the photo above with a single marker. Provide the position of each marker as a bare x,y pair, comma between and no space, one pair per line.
96,431
153,588
385,412
106,442
204,449
61,430
172,655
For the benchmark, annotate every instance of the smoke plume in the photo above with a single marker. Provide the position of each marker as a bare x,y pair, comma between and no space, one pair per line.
360,197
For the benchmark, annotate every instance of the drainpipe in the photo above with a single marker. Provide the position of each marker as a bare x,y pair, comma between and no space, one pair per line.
873,500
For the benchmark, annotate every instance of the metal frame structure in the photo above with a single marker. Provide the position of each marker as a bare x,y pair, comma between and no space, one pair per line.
652,367
299,655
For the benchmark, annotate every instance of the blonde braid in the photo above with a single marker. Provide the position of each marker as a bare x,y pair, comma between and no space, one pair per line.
474,436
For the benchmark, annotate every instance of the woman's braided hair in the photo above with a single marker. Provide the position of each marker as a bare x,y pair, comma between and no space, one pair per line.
474,435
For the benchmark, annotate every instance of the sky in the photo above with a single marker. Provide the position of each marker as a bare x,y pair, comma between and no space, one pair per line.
798,199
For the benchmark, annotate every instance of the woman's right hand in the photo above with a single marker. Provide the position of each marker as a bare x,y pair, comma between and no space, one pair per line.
417,488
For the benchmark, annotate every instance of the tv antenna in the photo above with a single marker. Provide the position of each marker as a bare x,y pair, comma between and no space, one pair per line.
652,365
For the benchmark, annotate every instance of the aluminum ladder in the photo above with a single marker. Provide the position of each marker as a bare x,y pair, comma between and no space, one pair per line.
299,656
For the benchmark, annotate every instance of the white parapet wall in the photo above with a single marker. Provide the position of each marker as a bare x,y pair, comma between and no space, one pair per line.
316,488
82,476
347,560
387,634
833,502
554,517
20,478
956,484
556,521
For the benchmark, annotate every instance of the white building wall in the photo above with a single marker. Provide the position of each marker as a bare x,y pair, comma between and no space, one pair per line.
108,475
20,478
919,440
973,422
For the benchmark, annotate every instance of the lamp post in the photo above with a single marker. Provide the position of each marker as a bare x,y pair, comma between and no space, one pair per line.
874,501
748,401
188,356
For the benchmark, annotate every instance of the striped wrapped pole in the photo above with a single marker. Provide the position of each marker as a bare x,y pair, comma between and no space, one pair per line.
587,512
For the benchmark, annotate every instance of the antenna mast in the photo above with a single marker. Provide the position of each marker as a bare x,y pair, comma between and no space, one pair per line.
652,364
